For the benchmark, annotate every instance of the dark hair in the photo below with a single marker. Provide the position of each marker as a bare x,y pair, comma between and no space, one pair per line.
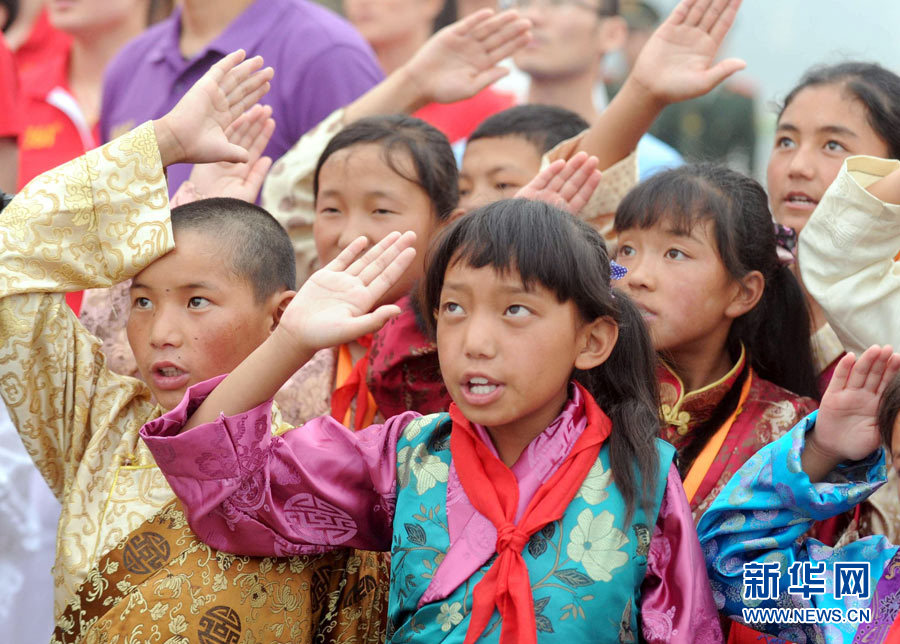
888,409
432,156
876,88
745,241
12,12
609,8
550,247
640,16
448,15
544,126
259,249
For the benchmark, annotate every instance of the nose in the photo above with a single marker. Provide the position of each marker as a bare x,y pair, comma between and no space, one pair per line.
164,329
478,338
640,273
801,163
354,228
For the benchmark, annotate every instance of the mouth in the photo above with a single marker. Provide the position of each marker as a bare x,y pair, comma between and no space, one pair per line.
646,313
168,376
800,200
481,390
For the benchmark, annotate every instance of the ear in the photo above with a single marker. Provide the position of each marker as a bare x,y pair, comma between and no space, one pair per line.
613,31
279,304
597,340
456,214
749,291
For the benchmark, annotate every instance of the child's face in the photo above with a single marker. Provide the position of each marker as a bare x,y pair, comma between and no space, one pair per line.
192,319
495,169
506,353
360,195
687,297
820,128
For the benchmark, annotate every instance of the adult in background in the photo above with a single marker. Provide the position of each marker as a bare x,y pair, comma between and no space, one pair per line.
320,64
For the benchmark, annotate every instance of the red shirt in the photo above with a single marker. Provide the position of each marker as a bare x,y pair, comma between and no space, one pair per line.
10,125
458,120
54,129
45,41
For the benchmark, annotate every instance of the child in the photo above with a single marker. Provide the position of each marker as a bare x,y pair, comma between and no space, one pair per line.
127,566
828,464
833,113
504,153
700,251
520,466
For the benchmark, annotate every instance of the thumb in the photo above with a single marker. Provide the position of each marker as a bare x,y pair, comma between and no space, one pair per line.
723,70
488,77
372,322
232,153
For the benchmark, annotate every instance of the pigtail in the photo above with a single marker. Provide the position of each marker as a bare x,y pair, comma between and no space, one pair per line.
626,388
776,333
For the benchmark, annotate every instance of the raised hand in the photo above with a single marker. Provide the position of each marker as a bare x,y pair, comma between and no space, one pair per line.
252,131
461,59
194,131
846,427
333,306
677,63
565,184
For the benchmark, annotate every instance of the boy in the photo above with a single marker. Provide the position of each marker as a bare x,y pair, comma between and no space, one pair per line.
127,565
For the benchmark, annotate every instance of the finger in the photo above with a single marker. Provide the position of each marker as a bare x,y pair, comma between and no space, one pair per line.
372,322
505,34
250,99
231,153
680,13
248,86
723,70
257,135
543,178
696,13
508,48
841,374
876,372
584,195
581,173
348,255
256,176
712,14
391,273
726,19
220,69
486,28
240,73
487,78
380,263
558,182
893,368
466,25
862,367
236,130
375,251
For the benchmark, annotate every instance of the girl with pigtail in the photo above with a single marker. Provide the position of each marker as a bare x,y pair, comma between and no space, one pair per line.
540,508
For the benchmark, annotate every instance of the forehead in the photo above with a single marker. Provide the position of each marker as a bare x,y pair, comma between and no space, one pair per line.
199,256
490,154
821,105
368,167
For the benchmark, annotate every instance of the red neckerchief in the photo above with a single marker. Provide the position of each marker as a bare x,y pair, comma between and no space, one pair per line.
354,387
494,492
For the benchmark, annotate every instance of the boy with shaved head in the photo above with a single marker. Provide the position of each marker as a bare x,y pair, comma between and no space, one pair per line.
210,282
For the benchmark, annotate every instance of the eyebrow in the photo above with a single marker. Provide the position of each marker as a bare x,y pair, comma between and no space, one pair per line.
506,288
183,287
827,129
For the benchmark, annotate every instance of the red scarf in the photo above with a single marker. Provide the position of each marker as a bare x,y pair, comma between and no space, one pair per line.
354,387
494,492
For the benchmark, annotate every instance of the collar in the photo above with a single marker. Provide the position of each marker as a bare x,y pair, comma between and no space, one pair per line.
683,410
246,32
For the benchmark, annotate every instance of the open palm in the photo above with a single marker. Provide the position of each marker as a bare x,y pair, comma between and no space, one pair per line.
846,427
461,59
677,63
334,305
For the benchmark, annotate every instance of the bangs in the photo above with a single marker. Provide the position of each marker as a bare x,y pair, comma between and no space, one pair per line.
540,243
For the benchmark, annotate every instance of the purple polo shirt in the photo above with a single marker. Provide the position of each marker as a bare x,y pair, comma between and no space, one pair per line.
321,63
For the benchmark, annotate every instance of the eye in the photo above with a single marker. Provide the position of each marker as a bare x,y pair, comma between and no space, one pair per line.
197,302
674,253
784,142
834,146
504,187
518,311
383,211
626,251
452,308
328,212
141,303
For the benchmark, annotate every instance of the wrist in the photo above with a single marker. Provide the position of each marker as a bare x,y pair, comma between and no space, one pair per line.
170,150
412,87
642,97
818,461
286,348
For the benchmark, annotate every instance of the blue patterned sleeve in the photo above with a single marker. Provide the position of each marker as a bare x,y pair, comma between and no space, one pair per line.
761,516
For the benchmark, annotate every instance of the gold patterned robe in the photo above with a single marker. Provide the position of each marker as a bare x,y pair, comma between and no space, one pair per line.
91,223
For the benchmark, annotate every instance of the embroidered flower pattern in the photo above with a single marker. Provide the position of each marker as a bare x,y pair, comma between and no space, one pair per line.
449,616
427,468
596,543
593,490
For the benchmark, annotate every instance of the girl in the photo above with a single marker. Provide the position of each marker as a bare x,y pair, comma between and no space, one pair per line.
833,113
827,465
530,468
702,267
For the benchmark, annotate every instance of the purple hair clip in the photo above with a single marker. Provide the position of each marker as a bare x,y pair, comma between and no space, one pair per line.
616,271
785,243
